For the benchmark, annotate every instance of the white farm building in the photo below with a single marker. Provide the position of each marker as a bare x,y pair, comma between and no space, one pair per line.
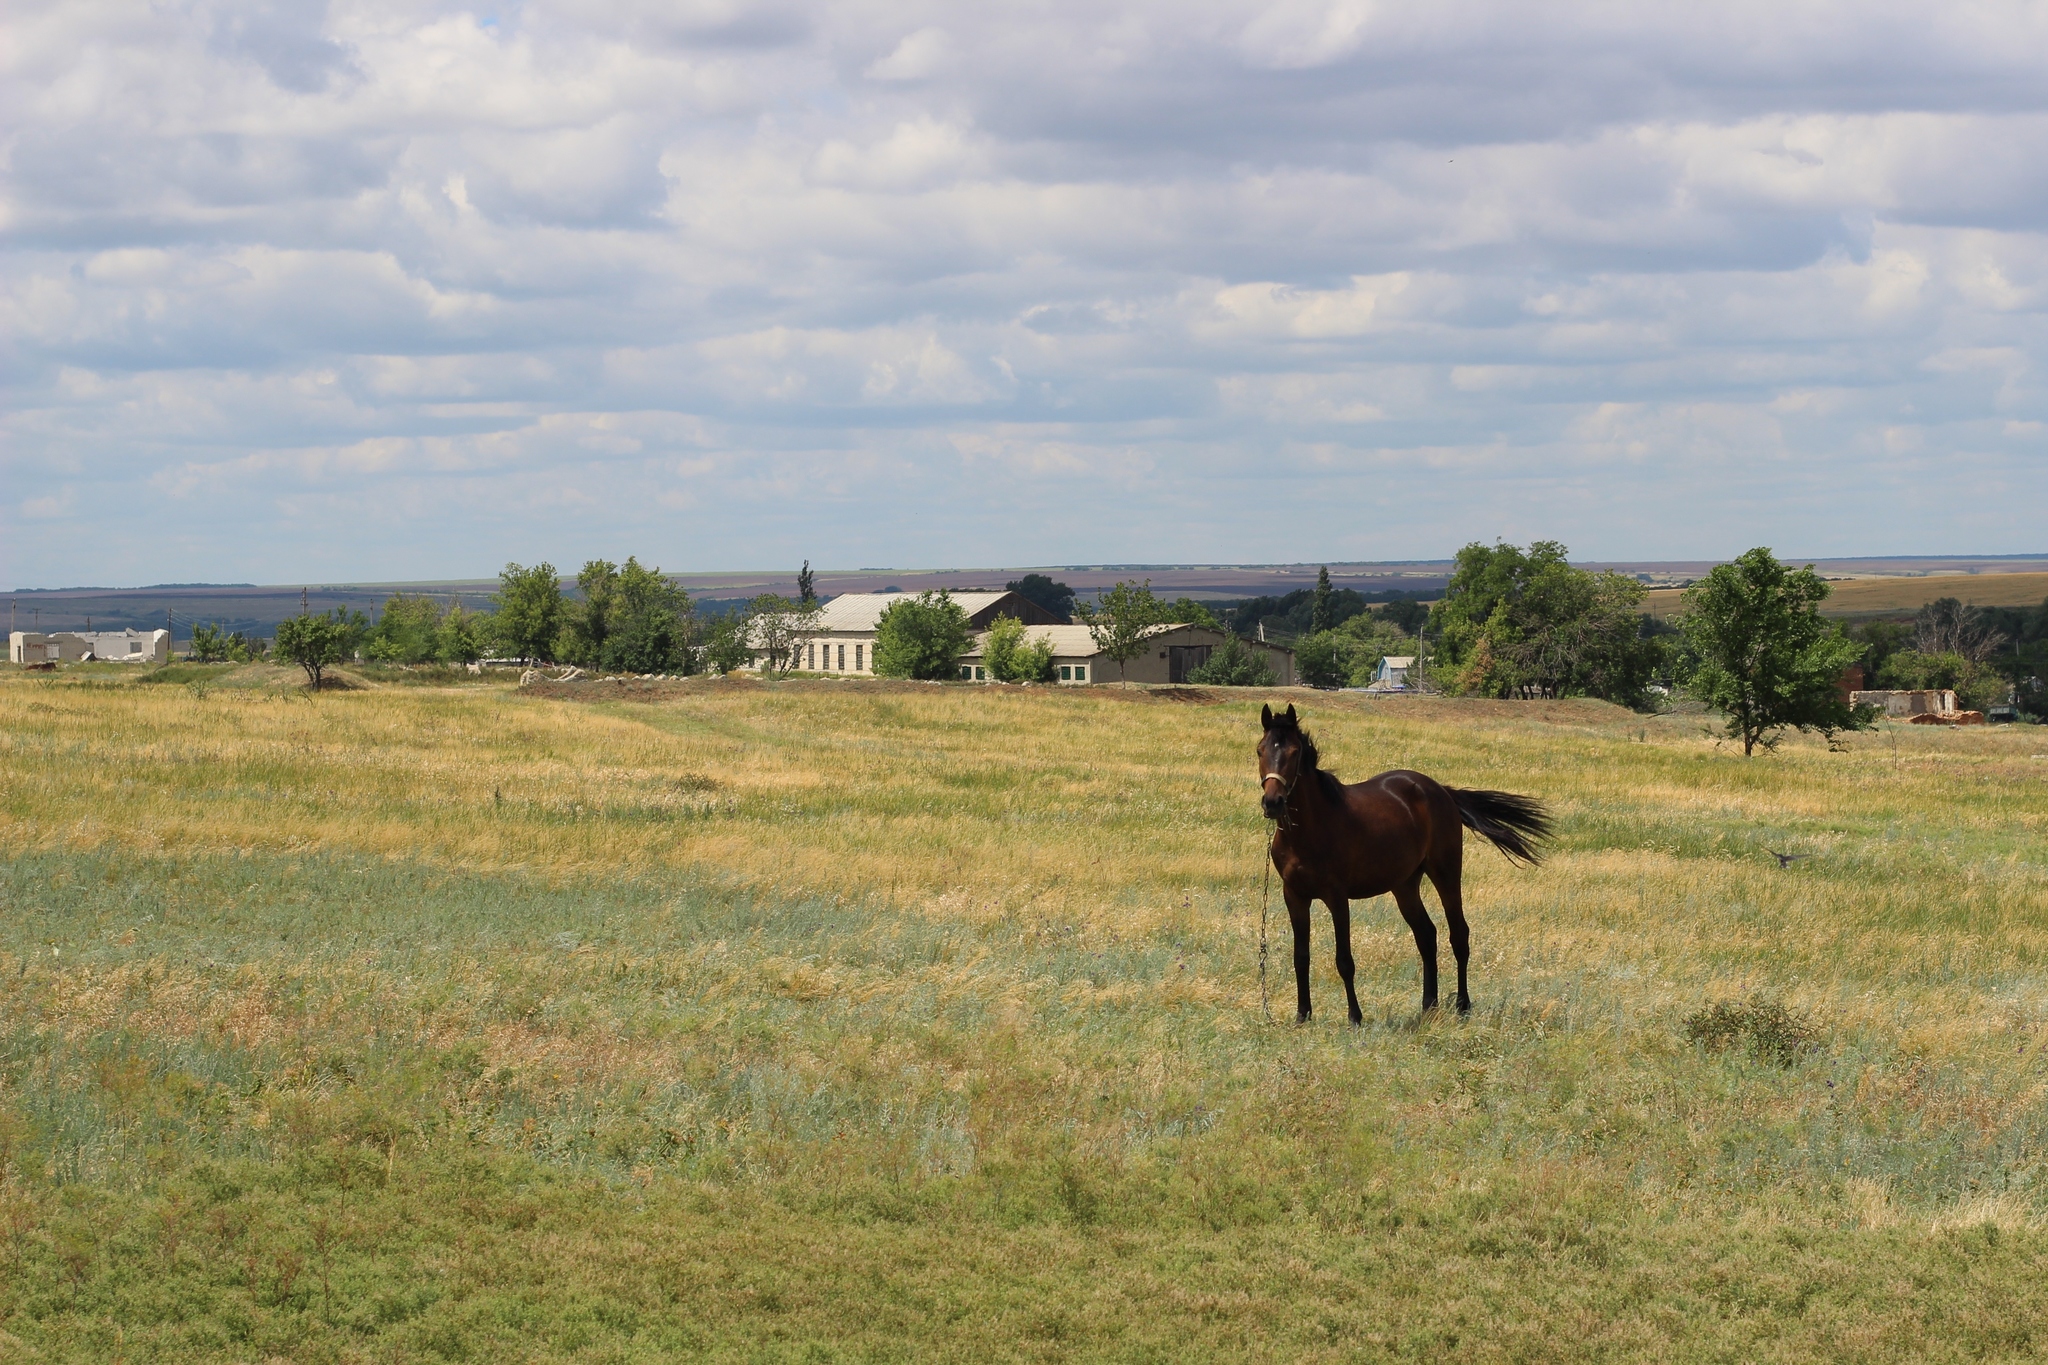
843,641
74,646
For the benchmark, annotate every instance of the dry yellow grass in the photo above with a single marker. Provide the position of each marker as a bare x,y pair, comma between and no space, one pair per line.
1865,596
985,960
1113,816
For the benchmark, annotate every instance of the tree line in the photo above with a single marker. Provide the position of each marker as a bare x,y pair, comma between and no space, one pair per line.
1511,622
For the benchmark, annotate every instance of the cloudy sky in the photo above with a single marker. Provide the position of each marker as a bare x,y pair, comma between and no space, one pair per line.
380,290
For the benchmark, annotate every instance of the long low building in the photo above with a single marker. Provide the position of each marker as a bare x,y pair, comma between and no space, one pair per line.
76,646
843,638
1171,653
843,641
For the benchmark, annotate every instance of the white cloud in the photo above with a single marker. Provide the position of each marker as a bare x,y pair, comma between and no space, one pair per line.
919,55
575,272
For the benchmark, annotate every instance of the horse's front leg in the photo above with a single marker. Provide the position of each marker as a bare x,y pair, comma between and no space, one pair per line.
1298,907
1340,922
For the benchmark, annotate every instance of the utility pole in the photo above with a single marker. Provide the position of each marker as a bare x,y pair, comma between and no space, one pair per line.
303,609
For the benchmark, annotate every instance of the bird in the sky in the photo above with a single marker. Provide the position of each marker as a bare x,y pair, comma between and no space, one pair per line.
1787,859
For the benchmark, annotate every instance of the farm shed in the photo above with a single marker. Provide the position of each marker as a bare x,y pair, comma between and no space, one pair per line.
1906,704
72,646
843,640
1171,653
1392,673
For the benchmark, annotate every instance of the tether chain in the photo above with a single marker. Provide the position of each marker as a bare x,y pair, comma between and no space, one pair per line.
1265,900
1266,903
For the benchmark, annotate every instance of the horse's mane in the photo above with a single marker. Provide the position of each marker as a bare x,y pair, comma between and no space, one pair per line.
1312,761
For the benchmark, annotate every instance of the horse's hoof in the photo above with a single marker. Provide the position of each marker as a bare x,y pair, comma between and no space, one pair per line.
1464,1007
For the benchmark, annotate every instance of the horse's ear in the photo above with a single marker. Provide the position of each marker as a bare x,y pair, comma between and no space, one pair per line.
1266,717
1291,718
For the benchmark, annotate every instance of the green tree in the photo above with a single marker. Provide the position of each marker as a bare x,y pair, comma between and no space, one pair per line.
1482,580
1349,655
1880,640
463,636
1122,622
530,611
1322,659
1056,598
315,643
1010,655
1528,624
1571,633
1234,664
1763,656
629,619
806,585
209,645
726,643
407,631
587,621
776,628
1320,615
1368,640
1187,611
922,637
1405,614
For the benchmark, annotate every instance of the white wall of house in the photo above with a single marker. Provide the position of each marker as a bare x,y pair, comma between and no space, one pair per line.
69,646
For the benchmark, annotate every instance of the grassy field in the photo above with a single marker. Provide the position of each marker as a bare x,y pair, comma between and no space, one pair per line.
1901,595
825,1021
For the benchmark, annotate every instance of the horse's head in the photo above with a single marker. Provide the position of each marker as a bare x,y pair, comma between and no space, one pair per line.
1283,751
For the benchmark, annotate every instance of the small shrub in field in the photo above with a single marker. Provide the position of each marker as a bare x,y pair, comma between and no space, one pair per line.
1773,1033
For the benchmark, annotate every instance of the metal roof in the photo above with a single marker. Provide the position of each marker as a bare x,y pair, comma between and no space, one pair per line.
862,611
1068,642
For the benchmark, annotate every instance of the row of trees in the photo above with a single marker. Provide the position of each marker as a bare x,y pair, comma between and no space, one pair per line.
1751,642
212,645
1511,623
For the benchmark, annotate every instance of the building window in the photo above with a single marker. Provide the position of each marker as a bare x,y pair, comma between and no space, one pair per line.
980,673
857,665
135,646
842,658
1066,672
966,673
1080,673
811,658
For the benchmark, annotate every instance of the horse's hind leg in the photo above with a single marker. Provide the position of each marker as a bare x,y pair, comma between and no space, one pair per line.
1449,889
1408,895
1340,921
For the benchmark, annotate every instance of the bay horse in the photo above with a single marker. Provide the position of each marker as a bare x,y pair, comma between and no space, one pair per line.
1336,844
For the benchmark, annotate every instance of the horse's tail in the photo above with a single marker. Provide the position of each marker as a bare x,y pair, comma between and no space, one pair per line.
1516,825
